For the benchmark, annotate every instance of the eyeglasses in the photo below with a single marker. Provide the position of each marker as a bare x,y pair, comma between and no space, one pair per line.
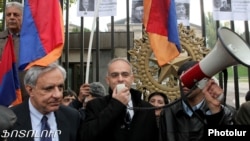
116,74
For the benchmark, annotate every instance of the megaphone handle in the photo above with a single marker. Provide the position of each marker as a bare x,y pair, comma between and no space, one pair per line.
201,84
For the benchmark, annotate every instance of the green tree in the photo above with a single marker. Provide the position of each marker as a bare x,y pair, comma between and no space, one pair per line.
70,2
210,30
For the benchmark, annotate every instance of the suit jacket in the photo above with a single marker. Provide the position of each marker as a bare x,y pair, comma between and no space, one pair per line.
67,119
105,120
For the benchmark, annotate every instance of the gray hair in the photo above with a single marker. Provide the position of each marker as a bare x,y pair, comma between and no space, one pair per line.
97,89
14,4
34,72
119,59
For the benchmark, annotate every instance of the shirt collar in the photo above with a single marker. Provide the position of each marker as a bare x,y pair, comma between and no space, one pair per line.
188,111
14,34
130,104
37,115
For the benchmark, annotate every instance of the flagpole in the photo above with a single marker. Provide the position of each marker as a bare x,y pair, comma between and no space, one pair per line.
96,13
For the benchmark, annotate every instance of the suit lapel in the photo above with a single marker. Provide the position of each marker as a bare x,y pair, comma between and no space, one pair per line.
24,120
61,122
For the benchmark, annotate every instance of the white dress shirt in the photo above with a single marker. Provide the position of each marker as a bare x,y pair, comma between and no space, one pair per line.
130,104
36,117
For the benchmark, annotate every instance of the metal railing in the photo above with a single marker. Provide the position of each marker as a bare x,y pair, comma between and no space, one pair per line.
98,76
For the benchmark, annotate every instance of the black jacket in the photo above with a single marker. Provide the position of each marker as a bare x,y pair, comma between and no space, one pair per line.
67,119
105,120
176,125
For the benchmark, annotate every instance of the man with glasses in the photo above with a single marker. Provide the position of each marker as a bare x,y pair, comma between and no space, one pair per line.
119,116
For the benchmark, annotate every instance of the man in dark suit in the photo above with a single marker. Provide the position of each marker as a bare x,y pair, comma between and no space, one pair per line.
45,87
121,115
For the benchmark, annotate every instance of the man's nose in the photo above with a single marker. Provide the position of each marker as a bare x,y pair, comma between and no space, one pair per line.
57,92
120,77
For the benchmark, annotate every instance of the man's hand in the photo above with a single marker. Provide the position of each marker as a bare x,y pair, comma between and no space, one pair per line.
84,92
123,95
212,92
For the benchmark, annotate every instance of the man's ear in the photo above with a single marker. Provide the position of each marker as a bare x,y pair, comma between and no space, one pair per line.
107,80
29,89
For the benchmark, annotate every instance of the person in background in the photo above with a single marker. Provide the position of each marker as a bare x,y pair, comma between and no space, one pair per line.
88,92
114,117
158,99
242,116
44,85
96,89
7,120
185,120
68,97
247,96
13,21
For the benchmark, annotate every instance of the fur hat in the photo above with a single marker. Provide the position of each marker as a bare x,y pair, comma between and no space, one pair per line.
7,118
97,89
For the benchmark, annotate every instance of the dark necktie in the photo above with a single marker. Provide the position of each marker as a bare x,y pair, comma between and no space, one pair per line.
45,130
128,117
127,120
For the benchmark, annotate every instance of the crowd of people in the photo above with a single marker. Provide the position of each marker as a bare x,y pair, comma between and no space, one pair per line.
52,113
118,115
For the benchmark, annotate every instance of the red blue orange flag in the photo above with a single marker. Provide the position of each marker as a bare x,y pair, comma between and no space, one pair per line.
42,33
161,25
10,93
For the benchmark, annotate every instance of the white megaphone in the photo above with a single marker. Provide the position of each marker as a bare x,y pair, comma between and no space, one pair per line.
230,50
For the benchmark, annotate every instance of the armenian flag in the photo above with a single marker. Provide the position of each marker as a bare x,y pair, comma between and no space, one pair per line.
10,93
42,33
161,25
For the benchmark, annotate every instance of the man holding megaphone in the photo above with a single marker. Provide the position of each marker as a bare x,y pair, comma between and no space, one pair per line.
199,106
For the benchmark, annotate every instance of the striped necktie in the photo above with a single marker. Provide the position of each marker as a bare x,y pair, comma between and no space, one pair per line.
45,130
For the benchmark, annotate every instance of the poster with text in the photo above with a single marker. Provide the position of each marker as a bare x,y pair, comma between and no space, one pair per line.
87,8
231,9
